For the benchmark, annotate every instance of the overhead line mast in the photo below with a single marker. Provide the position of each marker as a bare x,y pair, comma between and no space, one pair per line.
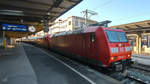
87,14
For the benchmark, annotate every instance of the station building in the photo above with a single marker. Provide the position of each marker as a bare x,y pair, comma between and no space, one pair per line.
138,34
69,24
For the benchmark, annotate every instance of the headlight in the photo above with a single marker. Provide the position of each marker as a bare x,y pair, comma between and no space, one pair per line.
128,48
114,50
128,55
113,58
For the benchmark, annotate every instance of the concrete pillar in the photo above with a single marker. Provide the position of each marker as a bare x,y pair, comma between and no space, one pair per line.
138,43
12,41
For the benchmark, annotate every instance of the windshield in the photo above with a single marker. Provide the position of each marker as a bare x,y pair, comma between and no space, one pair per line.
115,36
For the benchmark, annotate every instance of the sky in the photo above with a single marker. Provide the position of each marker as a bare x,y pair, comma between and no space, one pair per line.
118,11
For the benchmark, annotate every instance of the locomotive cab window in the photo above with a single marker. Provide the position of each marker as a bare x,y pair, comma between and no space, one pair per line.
115,36
92,37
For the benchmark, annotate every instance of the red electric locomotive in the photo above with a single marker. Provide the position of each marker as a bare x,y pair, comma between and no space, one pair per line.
103,47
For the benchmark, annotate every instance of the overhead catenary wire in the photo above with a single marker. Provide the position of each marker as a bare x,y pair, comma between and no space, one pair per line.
102,5
132,17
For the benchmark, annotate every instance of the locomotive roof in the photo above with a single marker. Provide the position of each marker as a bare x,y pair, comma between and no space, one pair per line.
84,30
78,31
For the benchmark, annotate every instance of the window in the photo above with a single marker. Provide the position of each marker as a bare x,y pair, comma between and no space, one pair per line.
92,37
115,36
76,22
82,23
69,22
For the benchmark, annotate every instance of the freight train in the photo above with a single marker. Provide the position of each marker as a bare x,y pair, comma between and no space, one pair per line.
102,47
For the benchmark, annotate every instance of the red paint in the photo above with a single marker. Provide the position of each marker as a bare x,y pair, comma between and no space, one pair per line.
81,44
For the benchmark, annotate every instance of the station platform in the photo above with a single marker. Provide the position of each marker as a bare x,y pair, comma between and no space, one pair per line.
141,56
27,64
15,67
141,59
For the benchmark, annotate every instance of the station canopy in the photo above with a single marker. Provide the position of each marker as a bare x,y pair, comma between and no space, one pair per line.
33,12
136,27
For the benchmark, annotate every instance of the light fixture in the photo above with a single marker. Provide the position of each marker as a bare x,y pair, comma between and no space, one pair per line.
12,12
17,11
42,20
21,20
48,13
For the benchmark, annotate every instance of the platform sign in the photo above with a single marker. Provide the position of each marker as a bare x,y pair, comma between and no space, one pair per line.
14,27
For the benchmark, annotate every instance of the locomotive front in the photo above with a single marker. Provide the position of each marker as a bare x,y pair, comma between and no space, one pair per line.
119,49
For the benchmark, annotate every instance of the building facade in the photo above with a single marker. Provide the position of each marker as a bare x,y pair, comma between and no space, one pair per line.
69,24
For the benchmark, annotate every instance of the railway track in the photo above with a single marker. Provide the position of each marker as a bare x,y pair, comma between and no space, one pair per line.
135,80
130,78
141,57
136,74
141,67
140,73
